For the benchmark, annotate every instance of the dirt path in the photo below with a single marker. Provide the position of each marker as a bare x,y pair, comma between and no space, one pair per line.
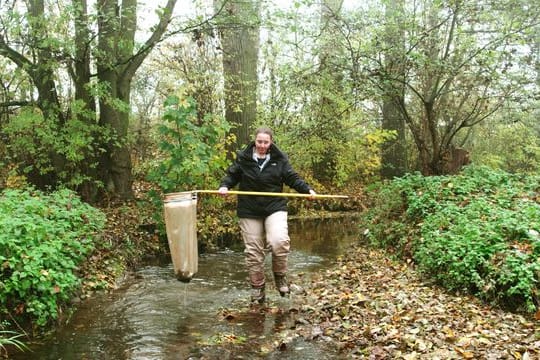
375,308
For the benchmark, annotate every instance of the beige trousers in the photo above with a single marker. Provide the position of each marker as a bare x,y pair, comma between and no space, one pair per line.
260,234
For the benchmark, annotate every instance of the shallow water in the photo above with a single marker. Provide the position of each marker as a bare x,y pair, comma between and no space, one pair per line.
154,316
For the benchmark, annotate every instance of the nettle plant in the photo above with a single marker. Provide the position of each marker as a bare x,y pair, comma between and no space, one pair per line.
44,238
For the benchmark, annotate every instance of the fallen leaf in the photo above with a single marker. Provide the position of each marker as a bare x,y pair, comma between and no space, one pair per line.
411,356
465,354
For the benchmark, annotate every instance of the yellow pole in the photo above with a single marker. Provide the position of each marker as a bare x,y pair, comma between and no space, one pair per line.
257,193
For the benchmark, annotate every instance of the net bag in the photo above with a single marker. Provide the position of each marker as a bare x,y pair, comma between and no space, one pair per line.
181,227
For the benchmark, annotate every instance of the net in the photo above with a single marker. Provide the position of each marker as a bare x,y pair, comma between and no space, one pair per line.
181,226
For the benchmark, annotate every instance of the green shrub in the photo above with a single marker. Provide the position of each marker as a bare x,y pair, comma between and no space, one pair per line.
192,155
43,240
511,145
477,231
192,150
35,145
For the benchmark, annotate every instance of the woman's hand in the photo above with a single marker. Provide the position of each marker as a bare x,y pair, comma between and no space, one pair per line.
223,191
312,193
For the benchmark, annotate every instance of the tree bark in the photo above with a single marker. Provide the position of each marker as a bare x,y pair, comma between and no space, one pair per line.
80,72
239,32
394,154
329,123
116,66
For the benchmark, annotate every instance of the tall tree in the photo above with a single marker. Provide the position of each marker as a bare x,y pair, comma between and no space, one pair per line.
394,152
80,65
117,62
38,65
32,40
328,125
458,73
239,32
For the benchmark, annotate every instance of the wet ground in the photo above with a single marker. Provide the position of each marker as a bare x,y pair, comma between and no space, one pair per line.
154,316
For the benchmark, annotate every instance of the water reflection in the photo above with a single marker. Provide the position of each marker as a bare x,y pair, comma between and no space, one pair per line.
154,316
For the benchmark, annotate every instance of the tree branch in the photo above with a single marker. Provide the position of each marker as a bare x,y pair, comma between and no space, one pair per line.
19,59
156,36
14,103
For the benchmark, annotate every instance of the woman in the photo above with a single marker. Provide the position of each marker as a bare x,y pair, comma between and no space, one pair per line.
262,167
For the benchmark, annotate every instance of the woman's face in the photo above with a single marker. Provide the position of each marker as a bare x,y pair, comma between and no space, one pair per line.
262,143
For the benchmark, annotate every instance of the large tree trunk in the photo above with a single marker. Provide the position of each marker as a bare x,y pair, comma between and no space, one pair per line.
116,168
240,43
81,65
81,75
394,154
330,114
116,67
43,75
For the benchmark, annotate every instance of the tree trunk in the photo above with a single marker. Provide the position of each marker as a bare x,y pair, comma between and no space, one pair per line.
81,66
240,44
116,67
42,75
80,73
394,154
329,123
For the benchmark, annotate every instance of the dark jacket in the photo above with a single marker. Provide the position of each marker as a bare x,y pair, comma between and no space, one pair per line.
246,172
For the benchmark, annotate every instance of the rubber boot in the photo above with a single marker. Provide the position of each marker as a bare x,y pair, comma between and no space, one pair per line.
258,294
282,285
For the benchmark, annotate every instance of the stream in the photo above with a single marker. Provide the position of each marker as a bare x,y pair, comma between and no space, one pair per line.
154,316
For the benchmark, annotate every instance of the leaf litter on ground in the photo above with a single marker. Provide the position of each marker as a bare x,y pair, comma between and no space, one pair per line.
373,307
